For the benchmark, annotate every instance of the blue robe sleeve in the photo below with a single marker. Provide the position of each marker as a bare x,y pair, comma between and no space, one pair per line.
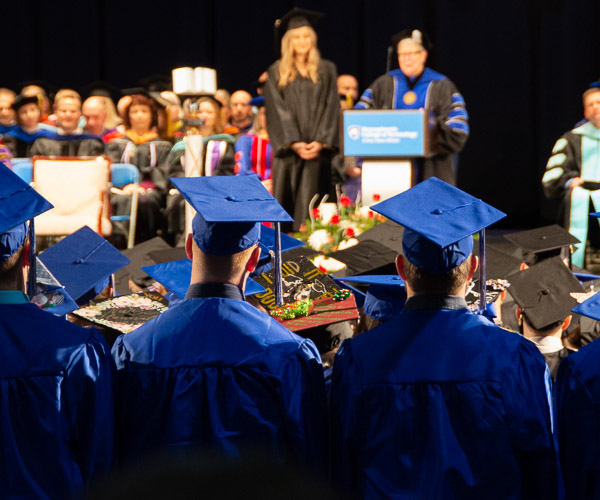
344,389
579,433
303,394
88,390
527,392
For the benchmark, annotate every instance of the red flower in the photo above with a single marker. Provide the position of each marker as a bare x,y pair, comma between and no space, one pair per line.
376,197
335,219
345,201
315,213
371,214
322,269
350,232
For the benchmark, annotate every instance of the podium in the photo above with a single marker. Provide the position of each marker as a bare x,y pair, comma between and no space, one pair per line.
389,142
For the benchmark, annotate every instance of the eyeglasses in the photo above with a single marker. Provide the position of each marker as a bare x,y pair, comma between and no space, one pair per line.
408,54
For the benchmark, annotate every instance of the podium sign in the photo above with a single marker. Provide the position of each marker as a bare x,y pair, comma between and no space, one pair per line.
386,133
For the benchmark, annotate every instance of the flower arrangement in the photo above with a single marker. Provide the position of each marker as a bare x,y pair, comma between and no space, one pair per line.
335,226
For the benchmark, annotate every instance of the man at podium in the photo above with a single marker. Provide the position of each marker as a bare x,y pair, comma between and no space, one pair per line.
413,86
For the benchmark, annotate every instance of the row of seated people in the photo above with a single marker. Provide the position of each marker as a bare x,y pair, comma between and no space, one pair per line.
137,141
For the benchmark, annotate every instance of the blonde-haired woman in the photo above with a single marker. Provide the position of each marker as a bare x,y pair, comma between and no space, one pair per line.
302,118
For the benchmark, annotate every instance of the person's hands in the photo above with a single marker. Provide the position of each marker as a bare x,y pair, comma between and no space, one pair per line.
129,189
312,150
299,148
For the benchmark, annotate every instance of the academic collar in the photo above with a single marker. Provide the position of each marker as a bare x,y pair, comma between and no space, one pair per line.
421,302
548,344
588,130
13,297
218,290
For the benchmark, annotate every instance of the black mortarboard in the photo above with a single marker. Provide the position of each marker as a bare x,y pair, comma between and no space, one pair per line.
542,242
387,233
156,82
296,18
368,257
498,263
543,292
416,36
21,100
140,256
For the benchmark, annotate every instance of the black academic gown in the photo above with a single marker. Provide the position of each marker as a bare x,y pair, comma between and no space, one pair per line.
151,159
68,145
302,111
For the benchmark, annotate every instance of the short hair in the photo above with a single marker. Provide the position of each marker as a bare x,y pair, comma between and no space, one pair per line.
223,268
141,100
422,281
548,328
66,94
588,92
219,126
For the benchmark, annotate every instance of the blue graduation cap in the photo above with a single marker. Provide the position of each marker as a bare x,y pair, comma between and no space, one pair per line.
229,213
83,262
176,277
439,221
19,202
385,297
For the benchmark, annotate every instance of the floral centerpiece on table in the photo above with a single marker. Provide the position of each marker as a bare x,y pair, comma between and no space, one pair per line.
335,226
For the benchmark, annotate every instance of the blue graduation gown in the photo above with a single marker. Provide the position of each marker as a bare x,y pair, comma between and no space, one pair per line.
578,402
218,373
441,403
56,415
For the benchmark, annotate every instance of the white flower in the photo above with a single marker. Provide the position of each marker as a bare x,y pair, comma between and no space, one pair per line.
318,239
347,243
327,211
329,264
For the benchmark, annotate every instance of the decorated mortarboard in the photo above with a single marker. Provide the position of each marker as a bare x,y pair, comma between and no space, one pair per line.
126,312
308,313
50,295
439,221
359,296
229,211
368,257
387,233
542,242
385,297
493,288
301,280
176,276
22,100
416,36
545,292
83,262
141,255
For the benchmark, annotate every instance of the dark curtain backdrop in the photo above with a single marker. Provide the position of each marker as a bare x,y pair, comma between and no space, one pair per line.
521,65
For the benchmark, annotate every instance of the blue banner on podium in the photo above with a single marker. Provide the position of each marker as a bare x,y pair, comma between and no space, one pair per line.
386,133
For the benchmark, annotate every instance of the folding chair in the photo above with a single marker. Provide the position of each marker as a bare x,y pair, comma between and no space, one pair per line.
78,188
122,175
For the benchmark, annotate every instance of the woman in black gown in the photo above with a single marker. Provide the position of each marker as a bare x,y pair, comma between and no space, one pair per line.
302,119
